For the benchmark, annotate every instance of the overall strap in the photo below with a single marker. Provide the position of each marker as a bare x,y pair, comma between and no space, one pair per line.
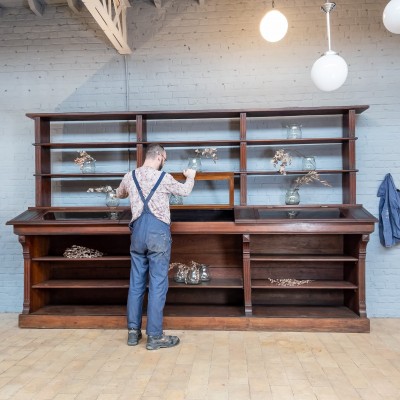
147,199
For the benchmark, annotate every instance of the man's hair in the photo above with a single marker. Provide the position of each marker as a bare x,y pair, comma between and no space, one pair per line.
154,150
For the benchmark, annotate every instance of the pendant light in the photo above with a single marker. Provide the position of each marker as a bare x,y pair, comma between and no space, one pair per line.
391,16
274,25
329,72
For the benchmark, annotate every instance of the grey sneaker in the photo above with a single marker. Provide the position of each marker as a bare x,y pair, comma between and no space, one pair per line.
162,341
134,335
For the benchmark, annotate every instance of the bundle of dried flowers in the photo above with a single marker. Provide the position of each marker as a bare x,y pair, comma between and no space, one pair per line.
83,157
208,152
308,178
102,189
290,282
76,251
283,159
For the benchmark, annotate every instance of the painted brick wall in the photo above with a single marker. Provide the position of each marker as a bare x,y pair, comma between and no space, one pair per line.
187,56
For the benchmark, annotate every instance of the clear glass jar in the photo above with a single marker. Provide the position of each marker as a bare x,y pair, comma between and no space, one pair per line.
112,200
204,273
88,167
175,200
292,197
194,163
293,131
309,163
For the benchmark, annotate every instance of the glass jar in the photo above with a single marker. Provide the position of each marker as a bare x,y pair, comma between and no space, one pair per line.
193,276
175,200
309,163
88,167
194,163
112,200
293,131
292,197
180,274
204,273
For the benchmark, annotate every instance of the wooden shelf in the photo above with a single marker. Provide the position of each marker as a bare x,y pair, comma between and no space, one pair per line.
304,312
83,284
50,259
299,172
213,283
87,145
325,285
303,258
121,283
274,142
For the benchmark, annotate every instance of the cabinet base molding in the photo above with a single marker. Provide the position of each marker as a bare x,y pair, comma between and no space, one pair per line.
339,320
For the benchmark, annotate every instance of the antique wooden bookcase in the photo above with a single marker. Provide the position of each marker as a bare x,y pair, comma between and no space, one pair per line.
247,246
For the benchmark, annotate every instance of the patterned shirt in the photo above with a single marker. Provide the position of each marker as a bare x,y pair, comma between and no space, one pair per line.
159,203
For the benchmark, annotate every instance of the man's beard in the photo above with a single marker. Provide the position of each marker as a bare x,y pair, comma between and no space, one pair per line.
160,167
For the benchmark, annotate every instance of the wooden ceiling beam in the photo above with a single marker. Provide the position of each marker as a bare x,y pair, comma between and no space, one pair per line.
37,7
75,5
111,17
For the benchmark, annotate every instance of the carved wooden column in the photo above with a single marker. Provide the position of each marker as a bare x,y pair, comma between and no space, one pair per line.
361,275
247,276
27,274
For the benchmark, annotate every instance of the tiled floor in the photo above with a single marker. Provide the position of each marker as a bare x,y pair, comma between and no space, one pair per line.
97,364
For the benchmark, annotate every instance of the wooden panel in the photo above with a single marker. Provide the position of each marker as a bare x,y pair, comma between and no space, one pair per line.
320,270
296,244
298,297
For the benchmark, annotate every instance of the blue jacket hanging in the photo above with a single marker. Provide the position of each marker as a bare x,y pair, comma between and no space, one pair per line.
389,212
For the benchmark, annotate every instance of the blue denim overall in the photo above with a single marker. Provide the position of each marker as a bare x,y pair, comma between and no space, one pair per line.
150,255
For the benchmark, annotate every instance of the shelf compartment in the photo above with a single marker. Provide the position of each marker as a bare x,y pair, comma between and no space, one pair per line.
324,285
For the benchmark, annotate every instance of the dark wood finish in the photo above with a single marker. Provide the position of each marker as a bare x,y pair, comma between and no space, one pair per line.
244,246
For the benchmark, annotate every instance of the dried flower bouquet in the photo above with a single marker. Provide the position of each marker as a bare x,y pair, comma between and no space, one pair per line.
311,176
102,189
83,157
208,152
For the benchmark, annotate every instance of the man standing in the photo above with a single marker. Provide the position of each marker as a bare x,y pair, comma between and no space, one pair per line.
149,189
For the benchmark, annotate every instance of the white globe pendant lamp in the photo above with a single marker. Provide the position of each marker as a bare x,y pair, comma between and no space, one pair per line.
391,16
274,25
330,71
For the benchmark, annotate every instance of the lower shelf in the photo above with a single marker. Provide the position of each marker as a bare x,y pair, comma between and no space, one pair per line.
264,318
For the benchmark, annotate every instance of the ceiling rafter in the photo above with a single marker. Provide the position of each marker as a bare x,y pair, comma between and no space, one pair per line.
111,17
75,5
37,7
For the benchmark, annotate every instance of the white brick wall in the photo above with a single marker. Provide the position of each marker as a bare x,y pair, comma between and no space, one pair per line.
187,56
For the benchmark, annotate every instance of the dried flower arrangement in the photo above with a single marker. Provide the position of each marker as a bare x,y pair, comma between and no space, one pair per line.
290,281
208,152
102,189
284,159
311,176
76,251
83,157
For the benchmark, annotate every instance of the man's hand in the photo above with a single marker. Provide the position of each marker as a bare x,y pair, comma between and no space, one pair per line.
189,173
